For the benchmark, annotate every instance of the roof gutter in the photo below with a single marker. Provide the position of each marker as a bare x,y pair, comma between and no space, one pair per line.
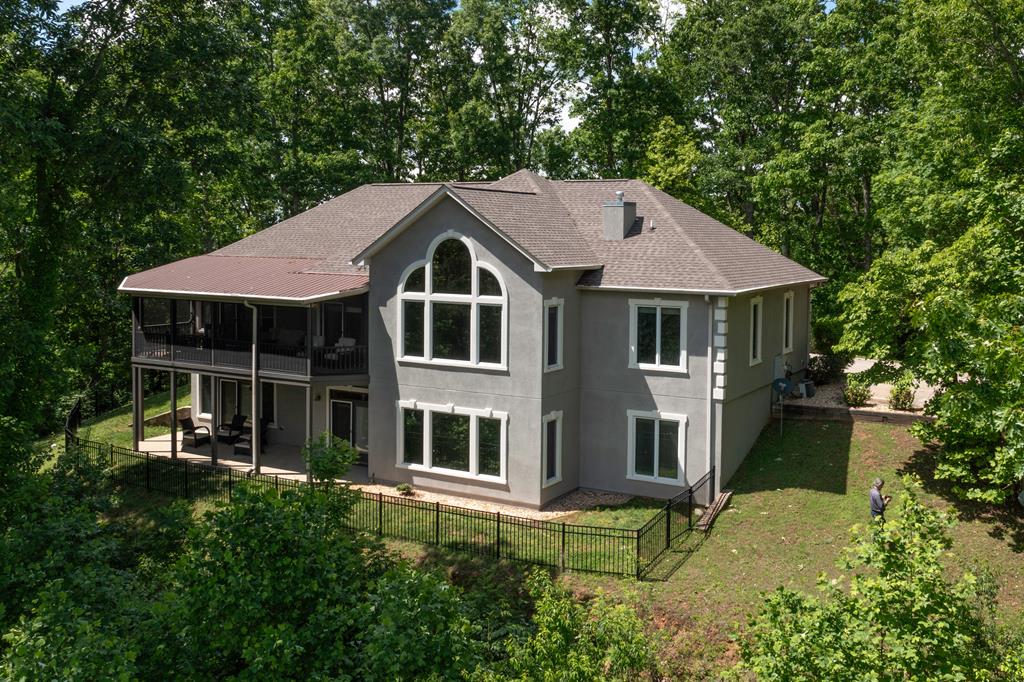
221,296
703,292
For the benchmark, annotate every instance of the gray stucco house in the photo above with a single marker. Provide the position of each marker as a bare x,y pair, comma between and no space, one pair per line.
509,340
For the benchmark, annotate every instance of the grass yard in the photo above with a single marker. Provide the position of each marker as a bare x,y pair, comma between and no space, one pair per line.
795,501
116,426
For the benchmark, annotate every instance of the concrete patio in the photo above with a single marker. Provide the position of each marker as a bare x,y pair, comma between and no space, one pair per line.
277,460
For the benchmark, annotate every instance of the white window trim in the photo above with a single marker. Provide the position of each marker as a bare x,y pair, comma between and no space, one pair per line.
474,451
474,300
556,417
204,411
658,416
787,322
327,408
222,380
756,308
659,303
558,303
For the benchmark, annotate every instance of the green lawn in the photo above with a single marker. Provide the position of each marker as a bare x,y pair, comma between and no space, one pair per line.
116,426
795,501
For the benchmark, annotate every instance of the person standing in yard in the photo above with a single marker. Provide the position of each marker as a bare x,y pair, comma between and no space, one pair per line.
878,501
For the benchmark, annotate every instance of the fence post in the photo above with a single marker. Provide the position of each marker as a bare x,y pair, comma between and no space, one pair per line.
497,544
380,513
668,524
637,531
277,484
437,523
230,476
186,467
689,510
147,471
561,557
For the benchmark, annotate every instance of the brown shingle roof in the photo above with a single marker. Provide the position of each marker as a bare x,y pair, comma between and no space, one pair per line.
556,223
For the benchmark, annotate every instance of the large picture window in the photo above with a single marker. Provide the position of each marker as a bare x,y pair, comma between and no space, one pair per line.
657,449
453,308
657,335
453,441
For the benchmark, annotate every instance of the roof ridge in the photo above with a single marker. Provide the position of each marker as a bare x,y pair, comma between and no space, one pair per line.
679,229
399,184
491,189
594,180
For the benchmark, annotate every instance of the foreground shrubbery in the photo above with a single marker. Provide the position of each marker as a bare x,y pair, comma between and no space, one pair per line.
268,587
895,614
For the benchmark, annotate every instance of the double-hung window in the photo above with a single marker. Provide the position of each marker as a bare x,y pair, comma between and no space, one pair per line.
452,308
657,447
451,440
787,322
553,330
756,319
657,335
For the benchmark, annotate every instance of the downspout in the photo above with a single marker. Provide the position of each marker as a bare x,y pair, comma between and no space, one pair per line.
254,391
711,394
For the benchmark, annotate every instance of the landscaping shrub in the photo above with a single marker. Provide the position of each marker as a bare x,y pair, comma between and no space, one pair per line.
823,369
857,391
901,618
576,642
329,458
901,396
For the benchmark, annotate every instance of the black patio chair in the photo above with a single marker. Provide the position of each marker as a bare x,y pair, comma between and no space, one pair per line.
191,432
232,431
243,446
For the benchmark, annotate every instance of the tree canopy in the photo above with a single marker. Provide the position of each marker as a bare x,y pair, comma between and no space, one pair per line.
864,138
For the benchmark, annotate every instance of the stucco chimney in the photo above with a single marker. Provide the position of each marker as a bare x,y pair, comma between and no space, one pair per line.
619,215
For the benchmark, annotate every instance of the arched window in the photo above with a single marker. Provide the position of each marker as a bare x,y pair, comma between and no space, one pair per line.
452,307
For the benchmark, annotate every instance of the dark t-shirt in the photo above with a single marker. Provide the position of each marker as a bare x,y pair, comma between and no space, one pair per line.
877,503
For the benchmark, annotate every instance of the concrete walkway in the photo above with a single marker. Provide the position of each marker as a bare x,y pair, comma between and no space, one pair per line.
880,392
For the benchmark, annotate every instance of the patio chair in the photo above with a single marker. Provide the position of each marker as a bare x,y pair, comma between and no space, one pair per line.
193,433
233,431
243,446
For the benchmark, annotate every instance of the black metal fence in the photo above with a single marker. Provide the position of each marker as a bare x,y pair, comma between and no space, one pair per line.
597,549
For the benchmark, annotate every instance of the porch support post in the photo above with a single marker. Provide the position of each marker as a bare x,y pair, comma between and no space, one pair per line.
214,415
174,414
138,400
256,445
309,428
309,348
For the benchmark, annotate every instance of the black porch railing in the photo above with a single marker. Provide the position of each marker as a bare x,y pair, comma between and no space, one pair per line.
595,549
199,349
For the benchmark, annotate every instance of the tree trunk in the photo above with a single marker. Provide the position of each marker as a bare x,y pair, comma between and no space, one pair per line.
869,218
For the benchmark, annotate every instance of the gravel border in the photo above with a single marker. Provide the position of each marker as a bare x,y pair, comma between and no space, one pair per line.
578,500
